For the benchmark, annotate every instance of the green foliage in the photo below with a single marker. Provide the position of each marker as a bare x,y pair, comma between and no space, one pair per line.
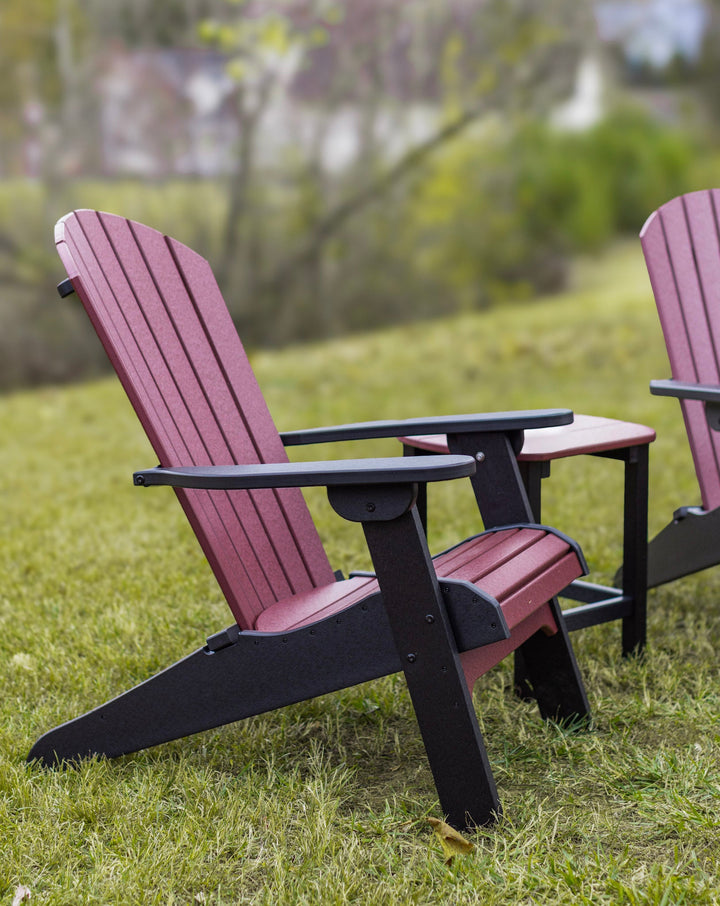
44,339
326,801
493,216
500,212
28,53
642,164
256,42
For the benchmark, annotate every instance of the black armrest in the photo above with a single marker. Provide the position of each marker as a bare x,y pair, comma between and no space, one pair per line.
444,424
709,393
391,470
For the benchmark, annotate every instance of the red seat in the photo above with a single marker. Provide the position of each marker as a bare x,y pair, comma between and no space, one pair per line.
596,436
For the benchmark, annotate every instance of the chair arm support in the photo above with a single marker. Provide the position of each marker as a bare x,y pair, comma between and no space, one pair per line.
709,393
444,424
391,470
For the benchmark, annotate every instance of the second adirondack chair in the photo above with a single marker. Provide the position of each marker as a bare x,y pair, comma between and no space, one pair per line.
682,252
299,630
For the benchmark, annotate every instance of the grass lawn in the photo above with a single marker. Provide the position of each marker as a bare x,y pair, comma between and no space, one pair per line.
327,802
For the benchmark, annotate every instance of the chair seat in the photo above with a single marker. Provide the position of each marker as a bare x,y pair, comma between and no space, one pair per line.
587,434
521,568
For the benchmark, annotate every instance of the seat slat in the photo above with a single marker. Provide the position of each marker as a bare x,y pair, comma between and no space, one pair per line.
518,603
307,608
520,582
473,559
510,574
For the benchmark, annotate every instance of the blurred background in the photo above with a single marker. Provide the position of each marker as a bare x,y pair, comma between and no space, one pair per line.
343,165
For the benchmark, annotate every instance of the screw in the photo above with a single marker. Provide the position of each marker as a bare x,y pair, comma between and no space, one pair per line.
412,658
480,457
429,618
370,507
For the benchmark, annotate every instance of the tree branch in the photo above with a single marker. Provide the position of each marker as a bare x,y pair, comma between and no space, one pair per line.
332,222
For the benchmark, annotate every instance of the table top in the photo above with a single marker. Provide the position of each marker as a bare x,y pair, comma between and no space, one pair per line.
587,434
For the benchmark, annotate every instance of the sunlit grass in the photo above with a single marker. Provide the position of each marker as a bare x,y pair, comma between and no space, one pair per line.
325,802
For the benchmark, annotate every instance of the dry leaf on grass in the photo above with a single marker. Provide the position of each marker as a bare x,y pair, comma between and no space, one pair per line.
453,843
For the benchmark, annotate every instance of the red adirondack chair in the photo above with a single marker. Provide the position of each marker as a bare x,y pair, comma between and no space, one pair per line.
682,252
300,631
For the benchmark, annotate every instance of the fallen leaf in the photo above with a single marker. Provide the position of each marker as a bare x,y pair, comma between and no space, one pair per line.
452,842
22,895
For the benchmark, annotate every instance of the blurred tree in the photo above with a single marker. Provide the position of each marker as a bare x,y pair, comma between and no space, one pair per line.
143,23
707,77
385,61
265,45
50,55
33,35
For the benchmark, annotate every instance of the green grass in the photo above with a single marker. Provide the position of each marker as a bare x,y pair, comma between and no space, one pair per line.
326,802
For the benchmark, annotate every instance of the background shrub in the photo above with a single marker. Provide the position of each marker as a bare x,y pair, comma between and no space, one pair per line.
499,214
493,216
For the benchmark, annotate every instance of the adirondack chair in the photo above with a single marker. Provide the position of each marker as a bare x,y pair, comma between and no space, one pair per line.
682,253
300,630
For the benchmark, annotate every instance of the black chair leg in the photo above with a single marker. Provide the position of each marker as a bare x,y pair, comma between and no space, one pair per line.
549,666
428,652
635,549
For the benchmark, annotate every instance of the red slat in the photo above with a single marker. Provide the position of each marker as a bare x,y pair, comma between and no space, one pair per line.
682,253
520,568
262,546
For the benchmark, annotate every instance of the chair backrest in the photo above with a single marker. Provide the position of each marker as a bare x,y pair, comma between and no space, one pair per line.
160,315
681,245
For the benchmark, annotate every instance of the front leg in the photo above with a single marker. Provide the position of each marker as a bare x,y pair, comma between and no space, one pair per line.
427,650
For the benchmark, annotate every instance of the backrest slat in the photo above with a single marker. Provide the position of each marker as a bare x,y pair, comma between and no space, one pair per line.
682,251
166,328
237,373
164,412
170,339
